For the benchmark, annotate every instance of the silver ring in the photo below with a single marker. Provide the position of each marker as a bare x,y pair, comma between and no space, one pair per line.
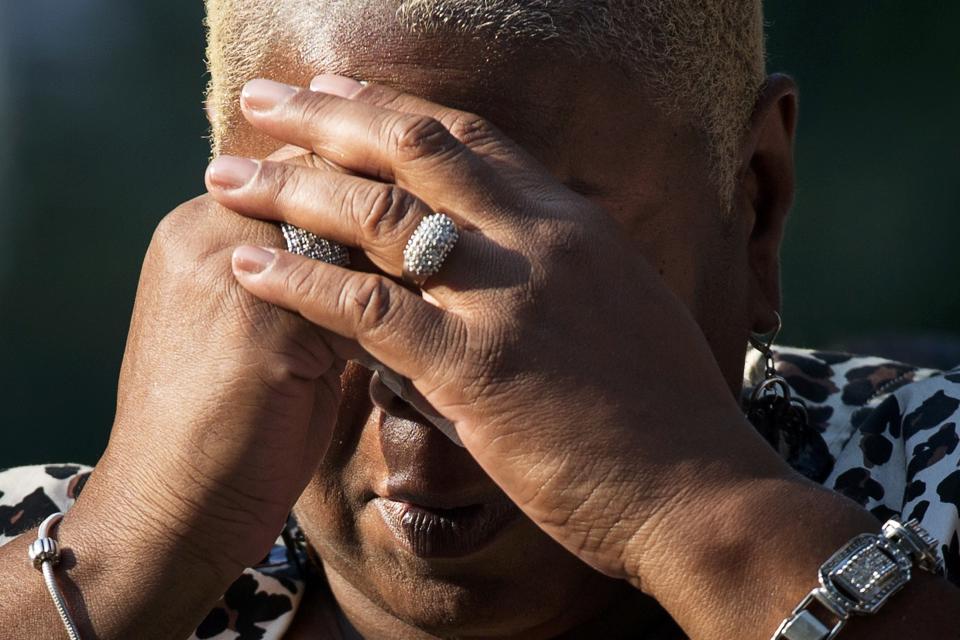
310,245
428,247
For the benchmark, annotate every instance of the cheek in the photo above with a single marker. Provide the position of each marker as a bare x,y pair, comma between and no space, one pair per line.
710,274
329,506
724,315
673,249
335,513
702,259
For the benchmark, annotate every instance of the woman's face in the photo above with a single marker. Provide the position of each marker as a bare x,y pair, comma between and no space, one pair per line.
403,519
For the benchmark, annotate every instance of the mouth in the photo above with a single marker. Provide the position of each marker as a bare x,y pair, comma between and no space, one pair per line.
434,532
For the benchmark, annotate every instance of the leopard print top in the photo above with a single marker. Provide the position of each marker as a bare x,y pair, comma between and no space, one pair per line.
890,428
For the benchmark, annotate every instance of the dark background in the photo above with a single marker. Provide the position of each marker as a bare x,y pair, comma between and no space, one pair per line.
103,132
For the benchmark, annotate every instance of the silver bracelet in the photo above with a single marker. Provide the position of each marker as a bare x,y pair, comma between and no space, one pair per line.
861,577
45,554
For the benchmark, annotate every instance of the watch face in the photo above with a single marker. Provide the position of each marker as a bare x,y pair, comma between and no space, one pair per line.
867,572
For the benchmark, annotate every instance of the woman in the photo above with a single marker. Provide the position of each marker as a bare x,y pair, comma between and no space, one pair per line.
575,319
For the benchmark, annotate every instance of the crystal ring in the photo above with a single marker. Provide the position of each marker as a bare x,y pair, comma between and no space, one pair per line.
310,245
428,247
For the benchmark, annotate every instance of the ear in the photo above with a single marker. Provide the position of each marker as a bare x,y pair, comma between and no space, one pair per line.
766,192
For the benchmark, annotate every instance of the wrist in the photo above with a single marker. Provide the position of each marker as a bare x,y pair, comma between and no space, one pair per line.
738,560
120,578
191,513
125,561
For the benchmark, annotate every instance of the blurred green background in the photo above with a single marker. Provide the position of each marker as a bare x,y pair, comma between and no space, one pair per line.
103,132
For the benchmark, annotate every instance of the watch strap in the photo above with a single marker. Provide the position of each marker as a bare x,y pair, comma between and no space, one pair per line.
859,579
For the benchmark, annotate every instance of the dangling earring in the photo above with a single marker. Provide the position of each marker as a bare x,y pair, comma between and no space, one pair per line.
782,420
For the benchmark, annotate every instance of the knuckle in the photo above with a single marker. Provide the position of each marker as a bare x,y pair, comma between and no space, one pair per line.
369,301
309,107
386,213
300,281
168,231
417,137
562,248
282,182
564,241
471,130
173,226
179,238
487,357
188,261
382,96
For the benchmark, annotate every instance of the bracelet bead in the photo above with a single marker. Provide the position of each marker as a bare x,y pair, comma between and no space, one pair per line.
43,550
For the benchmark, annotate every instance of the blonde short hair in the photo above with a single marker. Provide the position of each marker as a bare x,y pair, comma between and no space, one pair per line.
703,59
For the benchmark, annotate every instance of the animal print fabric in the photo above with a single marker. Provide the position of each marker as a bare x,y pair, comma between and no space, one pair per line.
891,429
259,605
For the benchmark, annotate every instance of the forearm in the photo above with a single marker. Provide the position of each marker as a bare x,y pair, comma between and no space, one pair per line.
741,567
117,584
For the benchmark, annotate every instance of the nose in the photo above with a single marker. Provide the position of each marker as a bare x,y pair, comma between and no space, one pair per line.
389,402
420,458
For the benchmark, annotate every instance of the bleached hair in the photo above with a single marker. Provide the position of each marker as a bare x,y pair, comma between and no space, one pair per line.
704,60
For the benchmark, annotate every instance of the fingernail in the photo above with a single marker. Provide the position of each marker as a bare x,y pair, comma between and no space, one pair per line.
264,95
231,172
336,85
252,260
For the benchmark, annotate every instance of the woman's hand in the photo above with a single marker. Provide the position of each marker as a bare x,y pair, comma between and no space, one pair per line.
226,405
219,404
573,375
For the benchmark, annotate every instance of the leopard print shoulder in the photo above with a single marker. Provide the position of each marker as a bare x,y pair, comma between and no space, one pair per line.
892,431
259,605
30,494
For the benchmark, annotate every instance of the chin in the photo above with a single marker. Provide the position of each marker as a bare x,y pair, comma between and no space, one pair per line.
448,609
520,585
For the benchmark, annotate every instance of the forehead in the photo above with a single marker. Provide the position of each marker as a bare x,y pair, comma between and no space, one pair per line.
523,86
591,123
596,128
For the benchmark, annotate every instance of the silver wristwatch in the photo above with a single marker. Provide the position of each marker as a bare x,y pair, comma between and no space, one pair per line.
860,578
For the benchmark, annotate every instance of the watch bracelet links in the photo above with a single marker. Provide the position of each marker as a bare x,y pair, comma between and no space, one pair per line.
861,577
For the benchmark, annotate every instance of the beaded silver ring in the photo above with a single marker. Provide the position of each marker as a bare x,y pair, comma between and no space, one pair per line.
428,247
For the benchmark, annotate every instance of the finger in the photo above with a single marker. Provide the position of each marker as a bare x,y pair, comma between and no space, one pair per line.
415,151
392,324
474,131
377,217
288,152
292,154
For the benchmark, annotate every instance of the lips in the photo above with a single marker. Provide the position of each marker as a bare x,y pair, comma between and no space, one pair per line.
433,532
434,499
